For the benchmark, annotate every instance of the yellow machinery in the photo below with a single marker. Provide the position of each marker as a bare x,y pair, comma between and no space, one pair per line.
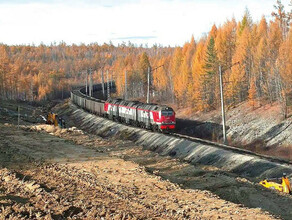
52,119
282,185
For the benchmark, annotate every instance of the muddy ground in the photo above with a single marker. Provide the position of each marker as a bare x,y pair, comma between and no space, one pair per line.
53,173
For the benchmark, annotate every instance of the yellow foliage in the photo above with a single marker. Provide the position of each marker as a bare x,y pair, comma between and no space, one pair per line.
252,93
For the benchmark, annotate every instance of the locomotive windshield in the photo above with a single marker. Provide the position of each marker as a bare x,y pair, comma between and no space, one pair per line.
167,113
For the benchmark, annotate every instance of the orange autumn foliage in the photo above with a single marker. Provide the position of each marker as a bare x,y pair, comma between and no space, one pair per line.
187,75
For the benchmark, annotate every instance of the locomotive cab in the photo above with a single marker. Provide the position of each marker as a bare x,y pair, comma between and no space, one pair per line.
167,118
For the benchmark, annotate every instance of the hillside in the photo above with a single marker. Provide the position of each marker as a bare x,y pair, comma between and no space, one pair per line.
261,129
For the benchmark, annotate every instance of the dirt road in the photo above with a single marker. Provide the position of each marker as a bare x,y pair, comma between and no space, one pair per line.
50,173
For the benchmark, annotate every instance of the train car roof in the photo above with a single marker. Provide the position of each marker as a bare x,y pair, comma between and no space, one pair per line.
154,107
124,102
113,101
148,106
134,103
141,105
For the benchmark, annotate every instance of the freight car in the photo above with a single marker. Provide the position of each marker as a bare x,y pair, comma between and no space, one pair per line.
90,104
149,116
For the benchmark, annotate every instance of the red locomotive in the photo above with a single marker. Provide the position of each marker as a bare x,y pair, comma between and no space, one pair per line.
150,116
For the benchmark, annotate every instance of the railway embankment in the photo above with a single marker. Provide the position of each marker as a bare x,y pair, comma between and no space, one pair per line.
243,164
262,129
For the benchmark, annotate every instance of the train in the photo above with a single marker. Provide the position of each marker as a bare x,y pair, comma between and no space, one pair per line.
160,118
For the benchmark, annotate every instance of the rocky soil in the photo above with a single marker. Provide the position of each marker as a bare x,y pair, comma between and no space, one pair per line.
52,173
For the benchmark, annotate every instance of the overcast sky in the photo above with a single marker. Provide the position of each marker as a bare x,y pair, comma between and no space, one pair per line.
166,22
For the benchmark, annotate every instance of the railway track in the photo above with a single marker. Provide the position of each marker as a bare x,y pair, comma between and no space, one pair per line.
232,149
97,92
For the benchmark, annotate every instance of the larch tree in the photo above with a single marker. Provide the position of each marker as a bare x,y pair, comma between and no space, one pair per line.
237,89
160,79
278,33
252,93
175,67
144,64
225,42
274,79
285,68
282,17
185,74
5,66
199,99
188,54
261,59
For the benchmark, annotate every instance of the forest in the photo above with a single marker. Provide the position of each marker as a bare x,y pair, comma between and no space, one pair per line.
255,58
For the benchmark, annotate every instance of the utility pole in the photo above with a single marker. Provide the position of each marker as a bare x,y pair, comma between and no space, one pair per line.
108,89
102,82
222,106
222,101
148,82
112,80
91,81
31,91
18,118
126,85
86,84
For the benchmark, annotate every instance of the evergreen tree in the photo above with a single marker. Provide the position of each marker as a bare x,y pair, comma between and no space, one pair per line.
211,76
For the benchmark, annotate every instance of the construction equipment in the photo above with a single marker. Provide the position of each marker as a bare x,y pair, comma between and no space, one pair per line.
280,184
52,119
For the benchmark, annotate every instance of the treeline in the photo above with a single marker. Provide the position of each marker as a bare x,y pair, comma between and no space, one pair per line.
30,72
255,58
43,72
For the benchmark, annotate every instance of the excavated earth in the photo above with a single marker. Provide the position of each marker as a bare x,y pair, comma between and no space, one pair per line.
53,173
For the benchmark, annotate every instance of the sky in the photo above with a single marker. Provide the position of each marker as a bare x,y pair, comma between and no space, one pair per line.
164,22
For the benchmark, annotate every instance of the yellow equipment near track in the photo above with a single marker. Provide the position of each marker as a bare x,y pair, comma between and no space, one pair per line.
282,185
52,119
